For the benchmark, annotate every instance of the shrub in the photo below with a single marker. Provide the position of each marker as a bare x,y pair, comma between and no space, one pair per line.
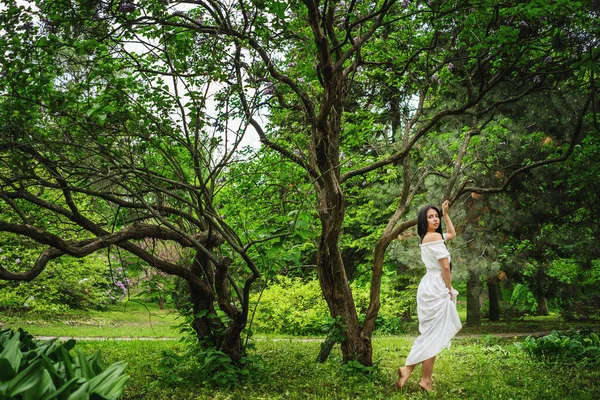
581,347
296,307
45,370
582,310
66,283
523,300
291,306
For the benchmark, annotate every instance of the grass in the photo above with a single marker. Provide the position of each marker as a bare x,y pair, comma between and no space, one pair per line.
470,369
133,319
478,365
137,320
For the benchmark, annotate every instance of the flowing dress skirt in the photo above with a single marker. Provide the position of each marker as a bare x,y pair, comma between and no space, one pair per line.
438,318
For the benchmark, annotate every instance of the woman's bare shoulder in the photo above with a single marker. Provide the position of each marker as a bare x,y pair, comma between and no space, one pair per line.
432,237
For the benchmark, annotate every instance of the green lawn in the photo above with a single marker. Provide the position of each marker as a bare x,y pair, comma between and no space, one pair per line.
478,365
137,320
133,320
470,369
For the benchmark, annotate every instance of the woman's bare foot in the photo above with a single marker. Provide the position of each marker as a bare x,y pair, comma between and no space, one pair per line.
403,375
426,386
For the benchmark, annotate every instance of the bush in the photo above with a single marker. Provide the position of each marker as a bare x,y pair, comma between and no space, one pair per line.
582,310
45,370
296,307
291,306
66,283
581,347
523,300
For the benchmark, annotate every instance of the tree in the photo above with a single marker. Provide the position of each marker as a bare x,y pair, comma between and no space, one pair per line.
99,150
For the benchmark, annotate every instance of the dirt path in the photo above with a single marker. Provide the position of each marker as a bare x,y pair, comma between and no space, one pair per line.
458,337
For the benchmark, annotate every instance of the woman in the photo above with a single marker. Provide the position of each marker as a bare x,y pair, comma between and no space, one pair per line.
436,299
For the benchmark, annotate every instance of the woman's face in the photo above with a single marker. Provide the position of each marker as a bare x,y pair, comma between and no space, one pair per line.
433,220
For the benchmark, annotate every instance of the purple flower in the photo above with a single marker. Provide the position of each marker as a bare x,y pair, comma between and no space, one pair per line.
523,24
405,3
548,59
450,67
537,79
435,78
292,64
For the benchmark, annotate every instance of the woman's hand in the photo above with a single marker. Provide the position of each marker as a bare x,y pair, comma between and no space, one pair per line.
450,232
445,206
451,294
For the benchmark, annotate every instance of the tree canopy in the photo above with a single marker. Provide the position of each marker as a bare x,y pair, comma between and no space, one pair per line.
122,124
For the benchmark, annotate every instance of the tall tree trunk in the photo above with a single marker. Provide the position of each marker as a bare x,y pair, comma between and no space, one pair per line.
336,292
492,285
325,154
474,288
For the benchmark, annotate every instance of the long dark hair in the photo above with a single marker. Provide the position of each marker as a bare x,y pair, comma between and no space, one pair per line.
422,221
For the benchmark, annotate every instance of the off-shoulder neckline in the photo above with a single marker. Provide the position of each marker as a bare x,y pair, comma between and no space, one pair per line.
432,242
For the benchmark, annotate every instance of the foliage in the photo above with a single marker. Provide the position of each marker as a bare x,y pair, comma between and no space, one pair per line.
585,309
290,306
204,365
67,283
523,300
295,306
46,370
159,288
570,347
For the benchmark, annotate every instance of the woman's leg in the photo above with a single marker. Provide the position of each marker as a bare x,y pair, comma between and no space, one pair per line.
426,374
403,375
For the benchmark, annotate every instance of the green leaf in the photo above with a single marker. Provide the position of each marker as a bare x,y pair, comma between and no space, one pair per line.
11,358
81,394
111,382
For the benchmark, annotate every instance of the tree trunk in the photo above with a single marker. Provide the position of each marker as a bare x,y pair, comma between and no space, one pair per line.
336,292
474,288
542,305
540,293
492,285
210,330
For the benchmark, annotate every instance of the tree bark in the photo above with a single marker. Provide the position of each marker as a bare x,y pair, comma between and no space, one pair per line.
211,331
542,305
492,285
474,288
338,296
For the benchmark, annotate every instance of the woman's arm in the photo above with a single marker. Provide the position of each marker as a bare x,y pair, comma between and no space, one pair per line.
450,232
446,275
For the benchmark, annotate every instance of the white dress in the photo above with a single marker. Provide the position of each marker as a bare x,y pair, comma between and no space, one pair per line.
438,318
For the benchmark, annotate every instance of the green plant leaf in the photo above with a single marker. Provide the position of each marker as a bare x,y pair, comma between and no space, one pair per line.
111,382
